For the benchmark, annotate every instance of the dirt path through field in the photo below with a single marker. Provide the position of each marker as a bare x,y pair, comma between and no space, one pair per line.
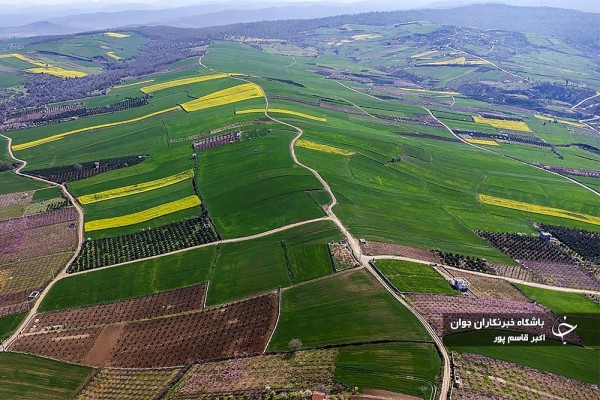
63,272
103,346
506,156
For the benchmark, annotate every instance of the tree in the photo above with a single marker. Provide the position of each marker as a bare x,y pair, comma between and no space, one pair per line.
295,345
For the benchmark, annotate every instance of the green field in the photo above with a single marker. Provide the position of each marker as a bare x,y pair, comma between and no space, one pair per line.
414,278
268,190
247,268
410,368
9,323
345,308
33,378
131,280
11,183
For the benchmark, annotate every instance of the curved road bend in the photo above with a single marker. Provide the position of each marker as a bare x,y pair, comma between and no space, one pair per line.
509,157
445,383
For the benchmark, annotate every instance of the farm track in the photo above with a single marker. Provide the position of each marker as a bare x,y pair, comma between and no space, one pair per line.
509,157
356,250
63,272
355,247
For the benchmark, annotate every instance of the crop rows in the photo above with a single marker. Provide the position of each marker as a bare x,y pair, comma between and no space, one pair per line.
119,384
594,173
564,274
29,118
7,299
249,377
372,248
526,139
231,330
126,104
14,199
218,130
584,243
151,306
43,206
64,113
68,214
525,247
29,274
149,242
465,262
70,173
72,345
236,329
517,272
217,141
14,308
488,378
490,287
438,308
35,242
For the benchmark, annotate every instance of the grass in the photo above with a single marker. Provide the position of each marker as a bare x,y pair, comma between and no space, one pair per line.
131,280
309,261
410,368
570,361
247,268
48,193
343,308
579,310
9,323
12,183
23,376
414,278
8,80
268,190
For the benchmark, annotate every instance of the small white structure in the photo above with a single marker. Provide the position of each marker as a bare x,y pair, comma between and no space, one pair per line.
461,284
545,236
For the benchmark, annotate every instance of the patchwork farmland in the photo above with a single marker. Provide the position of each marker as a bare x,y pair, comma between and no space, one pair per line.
196,214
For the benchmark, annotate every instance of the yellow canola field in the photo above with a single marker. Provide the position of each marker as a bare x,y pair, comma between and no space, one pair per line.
230,95
366,36
116,35
429,91
59,136
143,216
132,84
181,82
307,144
111,54
537,209
562,121
503,124
135,189
44,68
280,111
424,54
483,141
459,61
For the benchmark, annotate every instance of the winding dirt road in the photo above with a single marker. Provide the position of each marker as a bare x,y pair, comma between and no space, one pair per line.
63,273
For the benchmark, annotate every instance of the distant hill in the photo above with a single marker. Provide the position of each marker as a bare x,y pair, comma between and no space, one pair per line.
574,27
